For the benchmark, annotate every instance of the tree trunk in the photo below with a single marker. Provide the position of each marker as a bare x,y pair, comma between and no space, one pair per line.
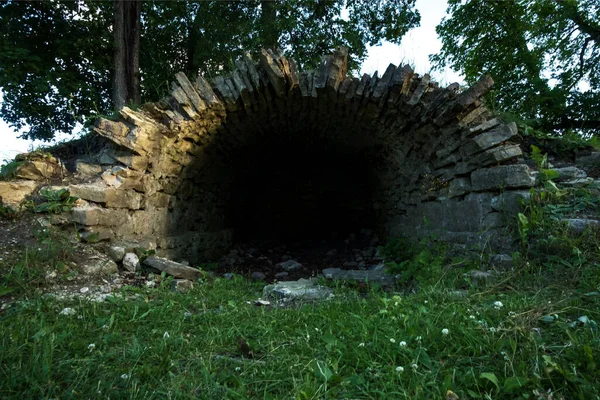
126,30
194,37
269,34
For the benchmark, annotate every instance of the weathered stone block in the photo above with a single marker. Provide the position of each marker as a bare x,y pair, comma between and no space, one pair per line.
87,170
174,269
489,139
116,198
12,193
503,176
459,186
89,191
592,159
90,216
569,173
510,201
157,200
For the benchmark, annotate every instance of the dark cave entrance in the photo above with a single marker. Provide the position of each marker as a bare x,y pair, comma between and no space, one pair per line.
291,190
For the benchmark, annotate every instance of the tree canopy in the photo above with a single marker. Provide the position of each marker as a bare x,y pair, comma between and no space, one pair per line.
544,56
56,58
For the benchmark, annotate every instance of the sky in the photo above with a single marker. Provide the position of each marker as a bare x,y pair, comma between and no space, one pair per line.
415,48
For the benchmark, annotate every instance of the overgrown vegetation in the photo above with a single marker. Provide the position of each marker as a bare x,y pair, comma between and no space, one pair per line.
51,251
214,343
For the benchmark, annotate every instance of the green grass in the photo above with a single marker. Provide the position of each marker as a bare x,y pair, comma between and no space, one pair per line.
169,345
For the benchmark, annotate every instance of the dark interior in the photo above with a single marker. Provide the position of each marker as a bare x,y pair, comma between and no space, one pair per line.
294,190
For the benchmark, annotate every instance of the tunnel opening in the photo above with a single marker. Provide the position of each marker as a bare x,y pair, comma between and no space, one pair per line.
289,190
305,200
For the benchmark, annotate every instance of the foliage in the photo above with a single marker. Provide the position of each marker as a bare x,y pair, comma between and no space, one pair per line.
547,242
541,54
7,212
57,201
8,170
354,346
420,262
55,57
566,146
52,251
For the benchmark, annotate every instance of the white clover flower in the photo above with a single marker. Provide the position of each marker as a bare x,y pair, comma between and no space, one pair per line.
166,335
512,314
361,345
445,331
403,344
238,368
471,317
91,346
492,329
105,327
392,340
399,369
498,305
124,376
425,302
67,311
414,366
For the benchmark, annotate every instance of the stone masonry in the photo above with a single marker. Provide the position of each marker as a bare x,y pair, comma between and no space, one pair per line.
436,160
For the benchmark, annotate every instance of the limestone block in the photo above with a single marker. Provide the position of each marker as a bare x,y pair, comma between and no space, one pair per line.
499,154
510,201
459,186
92,215
489,139
114,198
174,269
569,173
131,262
592,159
117,198
116,253
140,223
38,170
89,191
157,200
96,263
87,170
502,177
12,193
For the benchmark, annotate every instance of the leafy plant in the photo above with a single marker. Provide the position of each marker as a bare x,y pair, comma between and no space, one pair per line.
8,170
57,201
421,262
7,212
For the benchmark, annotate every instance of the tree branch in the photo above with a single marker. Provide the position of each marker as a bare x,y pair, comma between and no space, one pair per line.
585,26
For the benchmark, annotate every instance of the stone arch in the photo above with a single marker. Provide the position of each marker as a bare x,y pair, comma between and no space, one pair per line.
420,158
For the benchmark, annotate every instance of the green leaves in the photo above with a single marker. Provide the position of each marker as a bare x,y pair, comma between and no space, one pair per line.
543,56
56,201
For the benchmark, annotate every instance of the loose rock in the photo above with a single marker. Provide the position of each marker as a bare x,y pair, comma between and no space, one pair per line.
302,289
258,276
290,265
131,262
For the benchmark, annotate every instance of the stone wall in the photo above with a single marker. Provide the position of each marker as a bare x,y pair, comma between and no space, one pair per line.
435,159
